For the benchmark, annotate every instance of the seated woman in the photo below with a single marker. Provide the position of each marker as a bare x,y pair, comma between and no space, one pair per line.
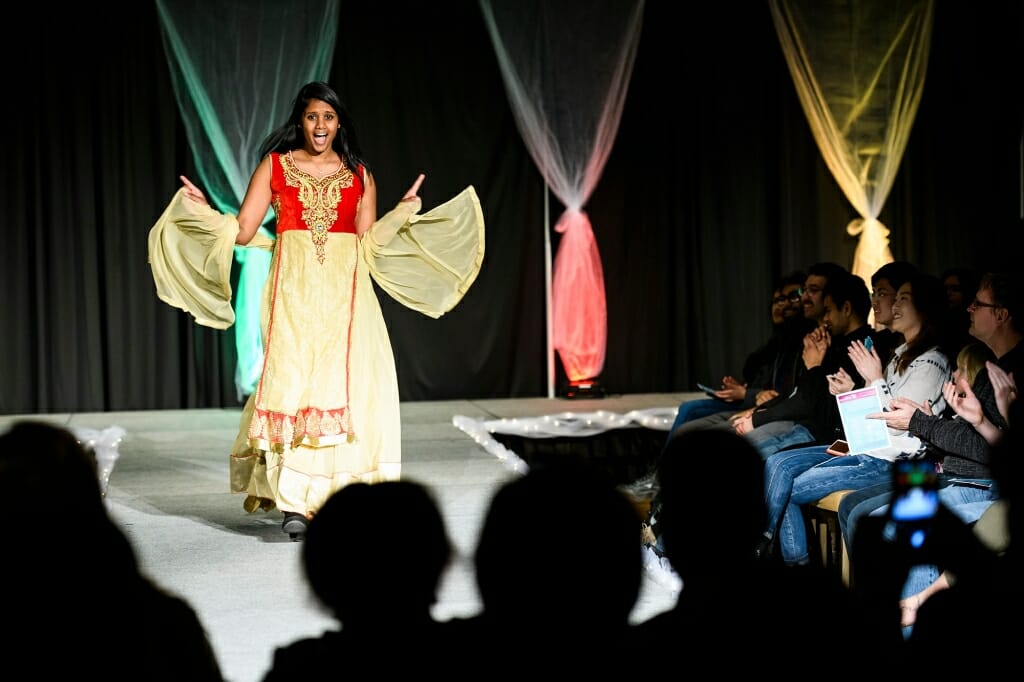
918,370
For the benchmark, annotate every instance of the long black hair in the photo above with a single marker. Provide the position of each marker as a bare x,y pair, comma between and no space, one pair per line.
929,300
286,137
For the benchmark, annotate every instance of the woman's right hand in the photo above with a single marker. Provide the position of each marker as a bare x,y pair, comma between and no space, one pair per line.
192,192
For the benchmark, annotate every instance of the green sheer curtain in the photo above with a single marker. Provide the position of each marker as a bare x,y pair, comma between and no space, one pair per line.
235,66
859,69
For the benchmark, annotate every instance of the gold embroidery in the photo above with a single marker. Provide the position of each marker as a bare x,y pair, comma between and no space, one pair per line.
319,198
312,426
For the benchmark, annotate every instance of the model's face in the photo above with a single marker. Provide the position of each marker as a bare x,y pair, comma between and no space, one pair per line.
319,126
881,302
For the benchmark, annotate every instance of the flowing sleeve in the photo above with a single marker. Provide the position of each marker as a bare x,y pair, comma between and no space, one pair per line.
190,252
428,261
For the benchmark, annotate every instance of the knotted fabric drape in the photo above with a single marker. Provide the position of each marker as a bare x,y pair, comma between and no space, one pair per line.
566,68
859,69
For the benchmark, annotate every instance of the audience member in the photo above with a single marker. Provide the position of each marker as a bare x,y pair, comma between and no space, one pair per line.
813,302
964,450
373,556
987,595
961,284
980,611
727,595
885,282
559,568
918,370
77,603
810,415
770,370
874,499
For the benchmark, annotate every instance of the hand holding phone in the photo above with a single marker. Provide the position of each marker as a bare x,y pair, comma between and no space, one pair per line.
915,499
707,390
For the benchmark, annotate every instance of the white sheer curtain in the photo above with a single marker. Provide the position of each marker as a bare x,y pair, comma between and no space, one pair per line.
235,66
566,68
859,68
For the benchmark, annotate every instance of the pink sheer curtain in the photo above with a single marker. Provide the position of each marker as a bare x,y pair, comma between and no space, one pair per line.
566,68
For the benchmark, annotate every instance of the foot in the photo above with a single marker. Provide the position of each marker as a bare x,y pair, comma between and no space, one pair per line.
764,548
252,503
642,488
294,524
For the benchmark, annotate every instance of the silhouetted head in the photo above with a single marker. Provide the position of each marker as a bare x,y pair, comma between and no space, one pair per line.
52,481
44,469
560,545
708,525
960,283
377,550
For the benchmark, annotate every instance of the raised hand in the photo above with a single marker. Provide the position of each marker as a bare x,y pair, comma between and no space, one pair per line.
192,192
867,362
1005,388
815,345
961,398
413,191
840,382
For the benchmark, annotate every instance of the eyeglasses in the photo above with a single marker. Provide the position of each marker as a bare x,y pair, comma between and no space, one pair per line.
981,304
791,297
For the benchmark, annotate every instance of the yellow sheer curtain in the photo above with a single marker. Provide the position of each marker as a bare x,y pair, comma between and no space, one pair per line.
859,69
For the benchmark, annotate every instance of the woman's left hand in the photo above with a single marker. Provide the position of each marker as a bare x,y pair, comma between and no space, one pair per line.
413,192
867,362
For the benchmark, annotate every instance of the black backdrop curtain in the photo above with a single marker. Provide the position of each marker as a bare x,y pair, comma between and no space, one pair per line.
714,187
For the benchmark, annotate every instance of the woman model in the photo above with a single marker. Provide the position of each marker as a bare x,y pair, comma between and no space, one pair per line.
325,411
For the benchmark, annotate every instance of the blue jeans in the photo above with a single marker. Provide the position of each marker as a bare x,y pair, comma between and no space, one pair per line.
967,502
849,472
858,504
780,470
697,408
774,436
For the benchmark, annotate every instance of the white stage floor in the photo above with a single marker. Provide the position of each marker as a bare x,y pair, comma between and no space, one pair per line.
169,492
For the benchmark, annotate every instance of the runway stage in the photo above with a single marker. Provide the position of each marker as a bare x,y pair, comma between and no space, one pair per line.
169,491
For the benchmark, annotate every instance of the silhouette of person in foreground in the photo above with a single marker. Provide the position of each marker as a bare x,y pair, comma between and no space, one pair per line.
559,568
710,528
373,556
77,604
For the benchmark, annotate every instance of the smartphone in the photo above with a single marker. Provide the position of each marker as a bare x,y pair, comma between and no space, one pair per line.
868,343
915,499
838,448
707,390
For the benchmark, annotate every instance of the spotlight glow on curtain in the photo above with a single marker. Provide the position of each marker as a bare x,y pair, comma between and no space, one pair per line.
566,68
859,68
235,69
